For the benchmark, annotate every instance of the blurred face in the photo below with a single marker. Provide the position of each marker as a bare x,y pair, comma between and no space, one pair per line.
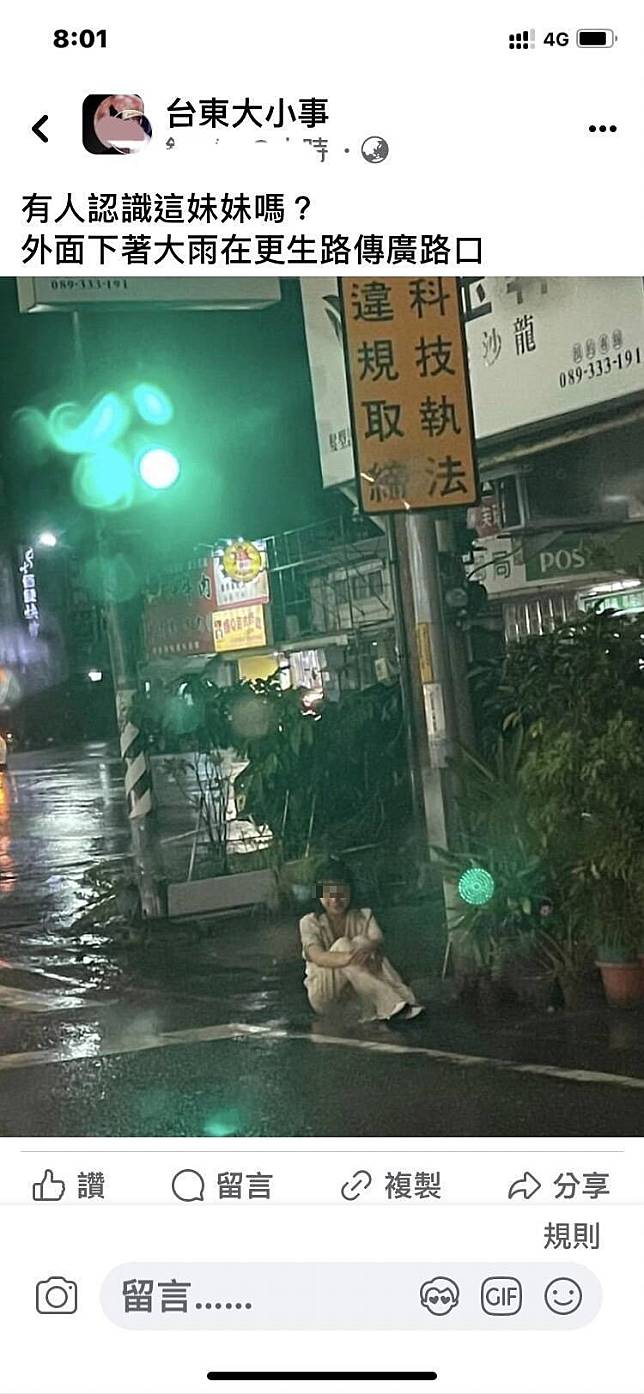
336,899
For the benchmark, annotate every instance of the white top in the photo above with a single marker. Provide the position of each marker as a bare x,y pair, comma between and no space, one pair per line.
316,929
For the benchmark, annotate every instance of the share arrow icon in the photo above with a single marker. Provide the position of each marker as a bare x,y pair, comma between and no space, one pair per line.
527,1187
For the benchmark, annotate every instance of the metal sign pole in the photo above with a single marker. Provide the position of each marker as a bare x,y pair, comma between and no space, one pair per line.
138,779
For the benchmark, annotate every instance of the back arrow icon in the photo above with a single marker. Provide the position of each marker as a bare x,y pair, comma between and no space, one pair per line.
527,1186
37,131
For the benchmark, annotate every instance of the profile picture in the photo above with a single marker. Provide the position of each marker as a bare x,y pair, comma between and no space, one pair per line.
115,124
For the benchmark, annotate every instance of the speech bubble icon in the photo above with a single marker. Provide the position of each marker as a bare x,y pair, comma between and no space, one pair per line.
188,1185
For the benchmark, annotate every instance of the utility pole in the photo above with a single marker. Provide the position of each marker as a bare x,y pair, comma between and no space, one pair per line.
434,703
415,459
122,642
440,707
405,645
458,646
121,635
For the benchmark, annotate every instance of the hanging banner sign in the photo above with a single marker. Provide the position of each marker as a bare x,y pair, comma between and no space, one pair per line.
409,391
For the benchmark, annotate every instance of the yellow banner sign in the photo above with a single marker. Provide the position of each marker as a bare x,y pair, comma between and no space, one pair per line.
409,389
425,665
241,628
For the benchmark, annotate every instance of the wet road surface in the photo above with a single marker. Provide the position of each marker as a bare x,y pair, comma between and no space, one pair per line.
61,812
211,1036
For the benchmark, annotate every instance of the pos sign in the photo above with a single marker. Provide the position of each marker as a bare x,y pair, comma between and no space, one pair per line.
409,393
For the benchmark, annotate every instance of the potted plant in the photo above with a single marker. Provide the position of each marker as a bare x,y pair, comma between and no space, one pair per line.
579,695
298,880
492,945
622,975
621,971
493,938
566,947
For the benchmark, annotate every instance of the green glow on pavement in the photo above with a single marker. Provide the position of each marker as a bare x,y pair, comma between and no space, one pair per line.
226,1123
476,886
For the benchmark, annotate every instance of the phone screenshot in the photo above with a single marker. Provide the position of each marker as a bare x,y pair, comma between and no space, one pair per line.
322,700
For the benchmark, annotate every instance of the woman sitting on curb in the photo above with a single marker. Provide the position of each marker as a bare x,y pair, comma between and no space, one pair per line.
345,960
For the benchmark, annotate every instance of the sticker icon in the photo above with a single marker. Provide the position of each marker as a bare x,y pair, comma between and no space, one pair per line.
439,1296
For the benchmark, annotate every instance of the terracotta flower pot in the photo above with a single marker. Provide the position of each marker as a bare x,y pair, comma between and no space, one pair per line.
623,983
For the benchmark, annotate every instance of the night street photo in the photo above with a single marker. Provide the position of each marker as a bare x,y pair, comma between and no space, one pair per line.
322,707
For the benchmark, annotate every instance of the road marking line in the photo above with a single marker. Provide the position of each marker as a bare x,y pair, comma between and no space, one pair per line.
20,999
56,1056
195,1034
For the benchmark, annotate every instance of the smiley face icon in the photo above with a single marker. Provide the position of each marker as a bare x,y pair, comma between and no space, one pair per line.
439,1296
563,1296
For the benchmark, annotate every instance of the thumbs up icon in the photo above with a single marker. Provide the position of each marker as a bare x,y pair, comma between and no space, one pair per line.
48,1188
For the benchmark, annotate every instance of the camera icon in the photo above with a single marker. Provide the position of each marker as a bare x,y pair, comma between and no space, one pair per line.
56,1297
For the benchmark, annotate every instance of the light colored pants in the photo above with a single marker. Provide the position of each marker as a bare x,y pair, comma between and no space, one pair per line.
379,993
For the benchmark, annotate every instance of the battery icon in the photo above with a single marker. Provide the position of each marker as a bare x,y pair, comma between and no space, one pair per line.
595,38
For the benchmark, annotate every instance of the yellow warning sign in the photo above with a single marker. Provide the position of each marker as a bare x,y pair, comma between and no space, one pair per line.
409,389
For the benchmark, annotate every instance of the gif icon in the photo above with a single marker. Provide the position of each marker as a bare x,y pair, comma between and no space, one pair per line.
501,1297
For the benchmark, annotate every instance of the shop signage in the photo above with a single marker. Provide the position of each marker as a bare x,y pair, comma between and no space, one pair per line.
38,293
241,575
508,564
544,347
323,329
30,604
178,610
618,600
243,627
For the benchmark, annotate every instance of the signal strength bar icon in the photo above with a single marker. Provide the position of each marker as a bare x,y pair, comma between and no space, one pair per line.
522,39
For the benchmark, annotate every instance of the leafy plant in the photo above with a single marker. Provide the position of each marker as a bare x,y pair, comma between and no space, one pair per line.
496,833
326,779
579,695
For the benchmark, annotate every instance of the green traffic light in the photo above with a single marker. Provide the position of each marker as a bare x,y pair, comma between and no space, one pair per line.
104,480
152,404
78,434
158,468
476,886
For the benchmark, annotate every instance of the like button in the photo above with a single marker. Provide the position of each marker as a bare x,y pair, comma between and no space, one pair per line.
48,1188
